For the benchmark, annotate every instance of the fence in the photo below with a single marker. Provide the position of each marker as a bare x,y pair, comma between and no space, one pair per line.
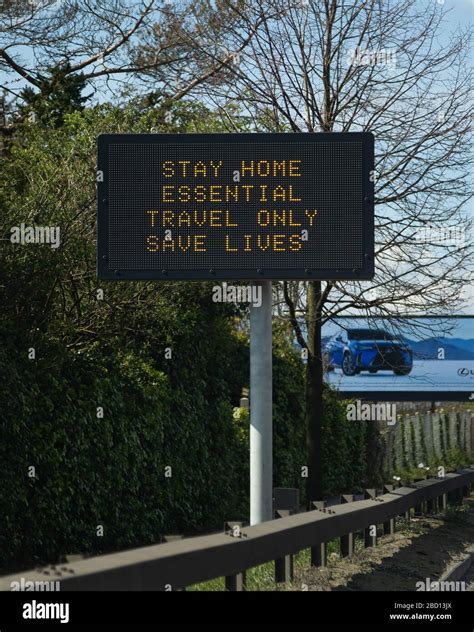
427,437
180,563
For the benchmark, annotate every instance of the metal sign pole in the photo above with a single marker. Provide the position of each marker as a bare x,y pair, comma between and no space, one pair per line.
261,457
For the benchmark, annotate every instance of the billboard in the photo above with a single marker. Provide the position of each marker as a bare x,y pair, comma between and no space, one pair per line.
235,206
413,358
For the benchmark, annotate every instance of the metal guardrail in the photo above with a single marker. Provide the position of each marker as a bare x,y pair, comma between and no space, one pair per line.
180,563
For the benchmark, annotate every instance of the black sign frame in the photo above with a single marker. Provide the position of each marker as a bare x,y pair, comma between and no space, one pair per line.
364,273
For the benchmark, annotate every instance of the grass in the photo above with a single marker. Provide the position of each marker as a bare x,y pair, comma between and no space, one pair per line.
453,460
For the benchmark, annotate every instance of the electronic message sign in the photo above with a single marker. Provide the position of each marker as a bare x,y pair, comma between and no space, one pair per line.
235,206
402,358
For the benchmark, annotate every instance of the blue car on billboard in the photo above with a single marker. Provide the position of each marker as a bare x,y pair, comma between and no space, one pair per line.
372,350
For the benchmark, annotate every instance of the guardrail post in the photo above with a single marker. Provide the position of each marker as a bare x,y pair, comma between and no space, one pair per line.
284,565
463,491
389,526
418,509
236,582
455,497
173,538
319,550
443,502
286,501
347,541
404,514
370,532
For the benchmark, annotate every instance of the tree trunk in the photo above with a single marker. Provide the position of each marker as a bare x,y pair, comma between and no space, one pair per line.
314,394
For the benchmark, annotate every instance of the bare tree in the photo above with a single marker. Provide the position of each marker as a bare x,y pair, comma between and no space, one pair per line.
379,66
172,47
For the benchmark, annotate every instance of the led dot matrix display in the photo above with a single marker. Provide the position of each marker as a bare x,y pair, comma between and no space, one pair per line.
235,206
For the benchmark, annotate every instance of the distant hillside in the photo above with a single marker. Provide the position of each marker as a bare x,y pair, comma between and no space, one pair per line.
454,348
461,342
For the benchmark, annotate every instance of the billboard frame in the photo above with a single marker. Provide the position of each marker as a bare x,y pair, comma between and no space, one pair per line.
408,396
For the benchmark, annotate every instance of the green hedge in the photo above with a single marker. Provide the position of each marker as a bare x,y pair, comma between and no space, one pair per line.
110,471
